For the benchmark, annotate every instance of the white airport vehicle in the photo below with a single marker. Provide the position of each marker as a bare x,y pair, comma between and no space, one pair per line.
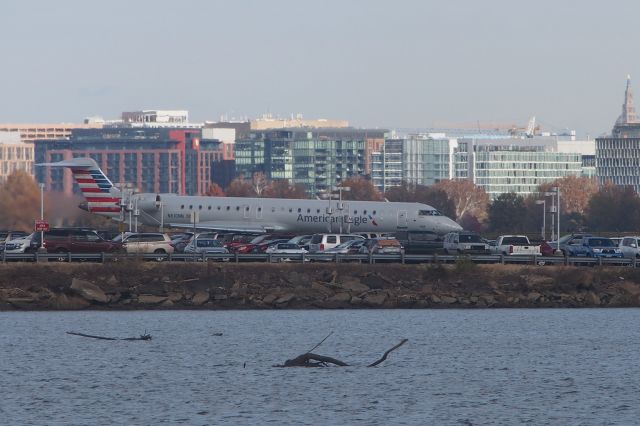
257,215
464,242
515,245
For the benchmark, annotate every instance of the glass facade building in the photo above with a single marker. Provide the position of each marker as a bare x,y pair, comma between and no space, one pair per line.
618,161
315,158
518,166
417,159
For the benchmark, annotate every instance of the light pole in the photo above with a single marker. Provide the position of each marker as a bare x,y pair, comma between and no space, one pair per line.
544,214
557,188
340,207
552,210
41,248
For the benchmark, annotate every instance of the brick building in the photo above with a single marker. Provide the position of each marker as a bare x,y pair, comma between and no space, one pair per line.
162,160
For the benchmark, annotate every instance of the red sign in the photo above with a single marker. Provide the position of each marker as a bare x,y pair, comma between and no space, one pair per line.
41,226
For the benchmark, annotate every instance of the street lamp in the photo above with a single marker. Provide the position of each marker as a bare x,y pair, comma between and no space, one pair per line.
340,206
556,191
544,214
41,248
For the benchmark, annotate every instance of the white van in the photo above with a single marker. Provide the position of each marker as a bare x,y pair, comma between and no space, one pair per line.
320,242
464,242
630,247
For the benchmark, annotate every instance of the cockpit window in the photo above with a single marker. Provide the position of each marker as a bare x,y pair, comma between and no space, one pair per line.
429,213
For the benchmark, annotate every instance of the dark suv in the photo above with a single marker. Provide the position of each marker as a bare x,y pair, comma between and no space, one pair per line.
78,240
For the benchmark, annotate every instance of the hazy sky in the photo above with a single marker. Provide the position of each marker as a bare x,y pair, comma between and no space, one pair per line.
413,63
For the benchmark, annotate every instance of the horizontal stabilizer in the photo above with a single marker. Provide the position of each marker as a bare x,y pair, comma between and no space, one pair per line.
75,162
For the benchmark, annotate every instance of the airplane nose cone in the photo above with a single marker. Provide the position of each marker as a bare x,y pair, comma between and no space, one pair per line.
447,225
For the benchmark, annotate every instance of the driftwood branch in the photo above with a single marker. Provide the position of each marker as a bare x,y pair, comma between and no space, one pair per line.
144,336
386,354
314,360
305,360
321,342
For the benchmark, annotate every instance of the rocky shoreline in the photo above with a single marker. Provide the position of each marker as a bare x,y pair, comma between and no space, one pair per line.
147,285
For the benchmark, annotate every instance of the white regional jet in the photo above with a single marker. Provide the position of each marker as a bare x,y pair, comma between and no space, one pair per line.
255,215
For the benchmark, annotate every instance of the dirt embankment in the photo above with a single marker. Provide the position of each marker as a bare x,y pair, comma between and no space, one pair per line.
146,285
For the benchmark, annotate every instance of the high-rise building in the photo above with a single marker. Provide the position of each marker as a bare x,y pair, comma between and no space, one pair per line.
618,155
421,159
14,155
316,158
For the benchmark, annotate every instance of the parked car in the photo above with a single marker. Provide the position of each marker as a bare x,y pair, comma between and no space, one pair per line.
568,240
246,243
595,247
320,242
348,247
108,235
205,246
181,240
6,236
381,245
630,247
369,235
302,241
65,240
515,245
148,242
418,242
28,244
464,242
547,250
286,248
262,247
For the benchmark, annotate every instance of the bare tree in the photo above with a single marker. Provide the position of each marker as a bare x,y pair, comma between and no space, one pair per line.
469,199
361,189
260,183
19,202
575,192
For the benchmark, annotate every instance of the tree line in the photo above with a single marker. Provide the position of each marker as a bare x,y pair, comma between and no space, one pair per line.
585,206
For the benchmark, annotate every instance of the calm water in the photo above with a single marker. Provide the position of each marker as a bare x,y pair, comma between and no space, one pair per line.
564,367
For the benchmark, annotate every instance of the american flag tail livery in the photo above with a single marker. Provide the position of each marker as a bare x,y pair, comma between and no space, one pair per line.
101,196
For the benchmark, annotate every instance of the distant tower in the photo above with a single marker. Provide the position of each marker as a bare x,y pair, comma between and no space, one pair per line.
628,115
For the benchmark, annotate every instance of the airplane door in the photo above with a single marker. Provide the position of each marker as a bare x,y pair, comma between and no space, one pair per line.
246,211
402,219
259,211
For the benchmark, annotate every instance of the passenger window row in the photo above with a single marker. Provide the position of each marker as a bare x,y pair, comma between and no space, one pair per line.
248,208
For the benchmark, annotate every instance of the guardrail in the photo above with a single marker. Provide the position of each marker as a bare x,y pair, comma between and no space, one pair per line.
319,257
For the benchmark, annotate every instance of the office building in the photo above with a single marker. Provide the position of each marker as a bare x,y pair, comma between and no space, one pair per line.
31,132
420,159
162,160
316,158
618,155
14,155
516,165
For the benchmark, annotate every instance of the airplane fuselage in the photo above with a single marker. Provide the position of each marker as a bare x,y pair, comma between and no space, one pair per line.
289,215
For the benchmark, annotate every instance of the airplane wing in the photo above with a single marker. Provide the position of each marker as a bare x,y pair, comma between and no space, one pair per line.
229,227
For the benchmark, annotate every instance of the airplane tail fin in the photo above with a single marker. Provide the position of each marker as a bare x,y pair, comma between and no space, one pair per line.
101,196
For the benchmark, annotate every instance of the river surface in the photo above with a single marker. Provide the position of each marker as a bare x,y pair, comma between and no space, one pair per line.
460,367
